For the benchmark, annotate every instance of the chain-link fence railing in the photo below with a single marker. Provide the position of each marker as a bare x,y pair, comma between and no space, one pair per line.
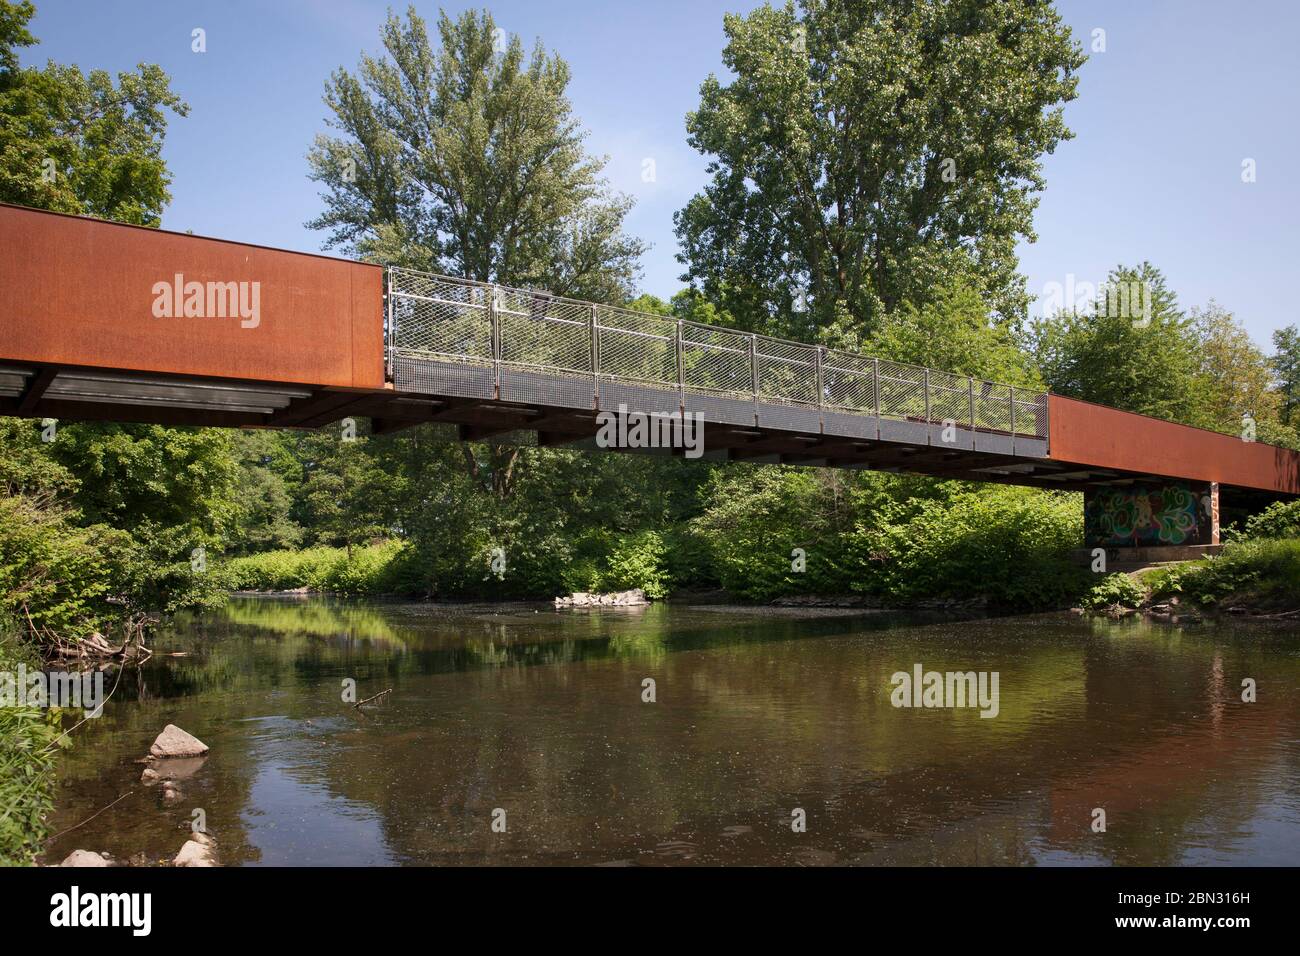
445,319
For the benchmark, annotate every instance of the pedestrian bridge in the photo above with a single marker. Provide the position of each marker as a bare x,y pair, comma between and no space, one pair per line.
102,321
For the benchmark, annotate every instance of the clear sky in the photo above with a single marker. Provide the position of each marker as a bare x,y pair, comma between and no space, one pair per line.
1185,91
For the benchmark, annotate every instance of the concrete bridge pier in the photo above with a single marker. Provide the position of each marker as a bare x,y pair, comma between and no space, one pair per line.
1141,524
1152,514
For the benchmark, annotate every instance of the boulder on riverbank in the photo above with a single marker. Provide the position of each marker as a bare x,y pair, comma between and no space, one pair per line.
197,851
633,598
85,858
174,742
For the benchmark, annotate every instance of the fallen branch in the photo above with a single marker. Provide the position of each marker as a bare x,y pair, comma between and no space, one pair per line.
92,816
100,709
376,697
55,647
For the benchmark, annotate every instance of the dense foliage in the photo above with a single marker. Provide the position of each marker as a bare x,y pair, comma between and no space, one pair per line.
29,743
758,531
865,152
1253,572
81,142
1278,520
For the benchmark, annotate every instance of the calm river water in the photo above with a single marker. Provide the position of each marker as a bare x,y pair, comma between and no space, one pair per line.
758,713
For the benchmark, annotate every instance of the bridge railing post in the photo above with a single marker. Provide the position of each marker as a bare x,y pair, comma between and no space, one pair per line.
1013,414
925,377
820,375
390,340
875,388
681,369
494,322
970,388
593,330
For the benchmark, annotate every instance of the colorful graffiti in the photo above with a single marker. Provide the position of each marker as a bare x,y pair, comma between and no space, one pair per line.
1140,516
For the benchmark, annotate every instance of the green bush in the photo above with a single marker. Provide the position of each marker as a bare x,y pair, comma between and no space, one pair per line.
1010,546
1267,570
780,531
65,577
29,743
771,531
1279,520
604,561
369,570
638,561
1115,590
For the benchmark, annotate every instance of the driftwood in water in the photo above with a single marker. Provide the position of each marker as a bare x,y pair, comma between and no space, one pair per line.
95,647
382,693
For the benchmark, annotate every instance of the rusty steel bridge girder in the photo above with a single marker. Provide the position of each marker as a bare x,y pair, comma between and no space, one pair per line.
102,321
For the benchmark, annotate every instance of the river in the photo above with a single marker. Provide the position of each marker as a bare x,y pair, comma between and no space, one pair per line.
772,739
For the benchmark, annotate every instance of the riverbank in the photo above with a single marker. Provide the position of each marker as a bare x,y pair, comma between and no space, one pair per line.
1259,578
28,751
1251,576
1021,581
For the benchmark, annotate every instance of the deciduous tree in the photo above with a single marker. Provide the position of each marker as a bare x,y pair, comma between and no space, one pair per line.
868,150
81,142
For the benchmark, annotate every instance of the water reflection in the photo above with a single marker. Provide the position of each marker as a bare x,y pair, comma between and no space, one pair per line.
758,712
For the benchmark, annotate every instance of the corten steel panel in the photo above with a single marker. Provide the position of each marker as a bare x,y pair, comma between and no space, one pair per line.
79,291
1087,434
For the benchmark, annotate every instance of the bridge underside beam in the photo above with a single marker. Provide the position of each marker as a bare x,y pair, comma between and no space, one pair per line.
81,394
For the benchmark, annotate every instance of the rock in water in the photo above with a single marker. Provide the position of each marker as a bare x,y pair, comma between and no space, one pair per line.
85,858
632,598
194,853
174,742
149,777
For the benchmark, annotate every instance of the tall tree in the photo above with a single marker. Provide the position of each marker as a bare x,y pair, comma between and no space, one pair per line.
1286,366
467,159
79,142
867,150
346,494
1235,374
1143,361
82,143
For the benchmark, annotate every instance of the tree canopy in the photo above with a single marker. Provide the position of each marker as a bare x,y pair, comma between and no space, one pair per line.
79,142
1146,364
869,150
465,158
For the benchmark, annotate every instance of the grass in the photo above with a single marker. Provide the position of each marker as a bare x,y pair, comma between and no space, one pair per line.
28,751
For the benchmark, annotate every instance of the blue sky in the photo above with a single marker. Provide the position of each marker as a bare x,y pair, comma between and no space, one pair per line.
1185,91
